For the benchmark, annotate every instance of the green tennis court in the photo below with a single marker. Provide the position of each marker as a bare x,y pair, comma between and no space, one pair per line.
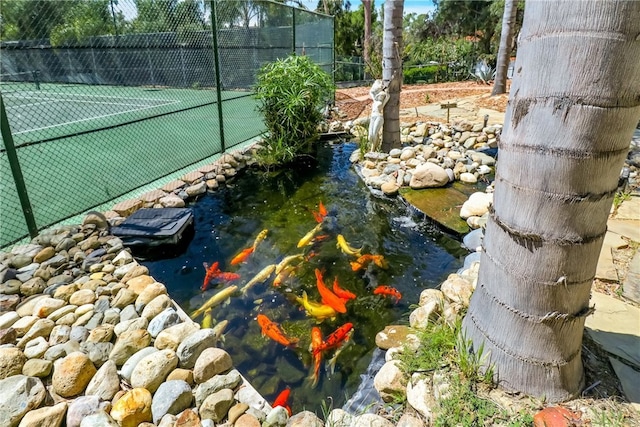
104,115
77,143
56,110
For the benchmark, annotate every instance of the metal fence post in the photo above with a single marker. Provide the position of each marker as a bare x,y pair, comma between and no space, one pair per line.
12,156
293,29
216,61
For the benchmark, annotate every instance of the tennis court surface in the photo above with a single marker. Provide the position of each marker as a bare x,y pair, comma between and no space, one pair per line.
45,111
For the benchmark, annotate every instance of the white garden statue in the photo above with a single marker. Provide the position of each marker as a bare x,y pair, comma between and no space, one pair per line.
380,97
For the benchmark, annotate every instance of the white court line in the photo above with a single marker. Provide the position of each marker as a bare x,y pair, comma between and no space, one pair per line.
91,118
9,107
87,102
94,96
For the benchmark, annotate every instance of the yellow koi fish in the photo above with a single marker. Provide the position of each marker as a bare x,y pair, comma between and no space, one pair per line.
287,272
346,248
259,238
218,298
288,260
207,320
264,274
317,310
218,330
307,238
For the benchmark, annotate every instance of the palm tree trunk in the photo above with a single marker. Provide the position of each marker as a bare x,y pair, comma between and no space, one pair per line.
366,5
392,72
573,106
506,41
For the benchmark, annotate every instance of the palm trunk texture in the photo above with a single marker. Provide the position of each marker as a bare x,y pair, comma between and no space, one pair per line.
392,72
506,41
366,45
573,106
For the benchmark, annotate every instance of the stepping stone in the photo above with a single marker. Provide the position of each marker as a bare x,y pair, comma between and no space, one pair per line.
630,381
629,209
606,269
442,205
631,285
615,325
629,228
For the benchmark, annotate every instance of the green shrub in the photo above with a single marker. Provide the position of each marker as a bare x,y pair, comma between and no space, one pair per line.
428,74
291,94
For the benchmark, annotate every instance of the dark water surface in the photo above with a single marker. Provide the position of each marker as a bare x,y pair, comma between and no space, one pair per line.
228,221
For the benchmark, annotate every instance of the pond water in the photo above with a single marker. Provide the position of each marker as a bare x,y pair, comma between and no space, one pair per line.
419,256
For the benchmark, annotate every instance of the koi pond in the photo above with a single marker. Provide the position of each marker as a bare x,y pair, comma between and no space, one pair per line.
287,203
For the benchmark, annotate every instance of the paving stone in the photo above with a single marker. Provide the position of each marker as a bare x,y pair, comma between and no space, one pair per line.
631,284
630,381
629,228
606,269
170,187
615,325
629,209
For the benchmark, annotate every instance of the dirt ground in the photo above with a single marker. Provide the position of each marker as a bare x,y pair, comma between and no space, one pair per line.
355,102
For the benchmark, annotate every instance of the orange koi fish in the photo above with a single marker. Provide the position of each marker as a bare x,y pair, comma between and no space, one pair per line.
337,337
388,291
328,297
320,238
365,259
242,256
226,276
282,399
331,363
273,331
316,343
211,272
321,214
342,293
321,209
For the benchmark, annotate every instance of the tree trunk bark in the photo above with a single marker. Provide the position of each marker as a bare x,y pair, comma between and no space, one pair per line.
366,5
573,107
392,72
506,41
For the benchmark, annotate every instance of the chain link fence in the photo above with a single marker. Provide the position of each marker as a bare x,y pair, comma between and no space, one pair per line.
102,97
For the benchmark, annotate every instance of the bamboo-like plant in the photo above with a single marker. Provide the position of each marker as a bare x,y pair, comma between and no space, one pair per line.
291,94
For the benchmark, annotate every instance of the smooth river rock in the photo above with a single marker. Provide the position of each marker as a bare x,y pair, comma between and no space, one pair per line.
72,374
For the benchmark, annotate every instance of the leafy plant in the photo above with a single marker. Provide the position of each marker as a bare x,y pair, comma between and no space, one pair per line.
620,197
484,72
463,407
471,362
427,74
437,346
291,94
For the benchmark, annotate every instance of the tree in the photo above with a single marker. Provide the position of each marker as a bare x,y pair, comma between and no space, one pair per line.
506,42
473,18
32,19
83,20
392,72
366,44
574,103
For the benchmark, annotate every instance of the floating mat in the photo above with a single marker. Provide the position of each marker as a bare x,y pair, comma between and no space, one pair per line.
153,227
